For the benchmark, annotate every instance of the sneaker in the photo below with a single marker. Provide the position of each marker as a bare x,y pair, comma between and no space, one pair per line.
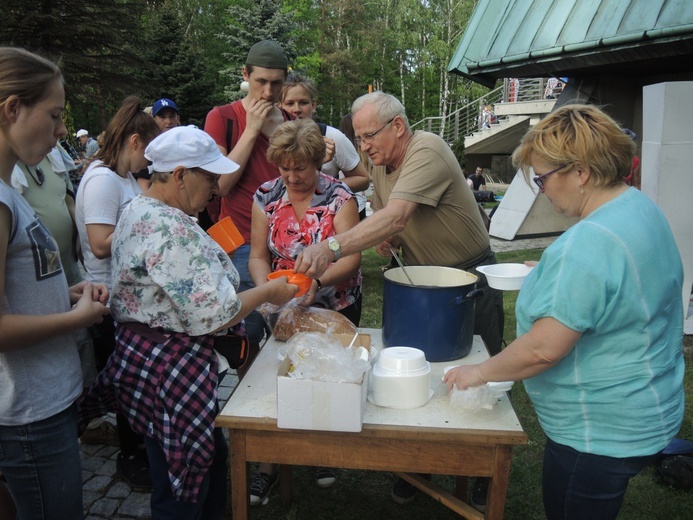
260,487
403,492
134,470
104,433
325,477
479,494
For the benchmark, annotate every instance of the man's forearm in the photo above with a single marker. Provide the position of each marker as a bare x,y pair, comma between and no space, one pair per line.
371,231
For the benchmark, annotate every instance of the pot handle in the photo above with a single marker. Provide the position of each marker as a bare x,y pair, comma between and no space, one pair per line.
471,295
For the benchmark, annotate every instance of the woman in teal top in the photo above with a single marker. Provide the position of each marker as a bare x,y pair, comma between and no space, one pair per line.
599,319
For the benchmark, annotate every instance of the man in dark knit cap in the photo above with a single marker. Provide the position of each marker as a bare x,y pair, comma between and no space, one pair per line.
242,130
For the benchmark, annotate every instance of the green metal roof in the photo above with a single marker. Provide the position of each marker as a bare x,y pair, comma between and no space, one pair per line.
525,38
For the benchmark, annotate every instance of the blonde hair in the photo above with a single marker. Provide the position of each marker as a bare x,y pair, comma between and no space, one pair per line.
299,80
295,141
578,133
26,76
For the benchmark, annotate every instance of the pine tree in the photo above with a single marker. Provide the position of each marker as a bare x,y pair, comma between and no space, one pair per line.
96,44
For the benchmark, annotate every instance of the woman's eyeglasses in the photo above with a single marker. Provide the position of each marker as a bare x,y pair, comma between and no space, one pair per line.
539,179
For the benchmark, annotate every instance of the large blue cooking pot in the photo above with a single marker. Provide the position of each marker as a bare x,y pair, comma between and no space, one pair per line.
435,315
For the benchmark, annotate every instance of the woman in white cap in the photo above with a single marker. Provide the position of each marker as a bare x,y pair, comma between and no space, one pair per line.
175,301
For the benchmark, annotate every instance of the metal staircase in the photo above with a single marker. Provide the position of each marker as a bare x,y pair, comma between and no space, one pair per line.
509,101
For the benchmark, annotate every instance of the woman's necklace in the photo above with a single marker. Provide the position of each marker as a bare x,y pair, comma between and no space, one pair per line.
39,177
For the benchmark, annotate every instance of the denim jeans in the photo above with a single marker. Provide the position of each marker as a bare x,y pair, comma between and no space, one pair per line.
582,486
211,503
254,324
41,463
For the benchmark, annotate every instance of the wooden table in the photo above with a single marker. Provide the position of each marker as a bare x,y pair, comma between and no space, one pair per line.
435,438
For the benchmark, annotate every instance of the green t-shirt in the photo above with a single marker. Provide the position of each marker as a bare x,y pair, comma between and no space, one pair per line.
617,278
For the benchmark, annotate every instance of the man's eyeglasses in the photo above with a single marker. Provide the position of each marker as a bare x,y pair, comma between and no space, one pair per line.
368,138
539,180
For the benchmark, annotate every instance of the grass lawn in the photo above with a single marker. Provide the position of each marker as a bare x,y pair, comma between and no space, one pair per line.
361,495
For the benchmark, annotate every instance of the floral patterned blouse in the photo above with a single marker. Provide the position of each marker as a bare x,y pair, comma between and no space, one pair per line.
288,236
168,273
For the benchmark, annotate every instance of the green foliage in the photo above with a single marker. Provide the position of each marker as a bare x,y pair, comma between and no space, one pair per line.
193,50
177,69
97,45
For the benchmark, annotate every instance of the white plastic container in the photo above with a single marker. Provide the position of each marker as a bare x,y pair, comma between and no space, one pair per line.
505,277
401,378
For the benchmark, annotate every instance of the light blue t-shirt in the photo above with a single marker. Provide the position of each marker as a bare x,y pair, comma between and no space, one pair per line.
617,278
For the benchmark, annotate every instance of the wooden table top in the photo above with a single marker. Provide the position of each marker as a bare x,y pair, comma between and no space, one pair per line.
253,405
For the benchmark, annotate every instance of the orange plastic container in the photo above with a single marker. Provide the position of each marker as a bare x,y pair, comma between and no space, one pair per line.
226,234
301,280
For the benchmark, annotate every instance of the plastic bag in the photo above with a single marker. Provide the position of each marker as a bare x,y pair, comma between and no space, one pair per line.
322,357
270,313
478,397
293,318
472,399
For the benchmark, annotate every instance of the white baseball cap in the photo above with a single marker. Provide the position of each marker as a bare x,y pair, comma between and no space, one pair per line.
189,147
82,132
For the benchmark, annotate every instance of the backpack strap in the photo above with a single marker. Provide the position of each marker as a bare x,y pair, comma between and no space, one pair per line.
323,128
227,112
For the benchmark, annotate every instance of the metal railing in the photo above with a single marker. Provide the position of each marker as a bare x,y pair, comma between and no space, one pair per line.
468,120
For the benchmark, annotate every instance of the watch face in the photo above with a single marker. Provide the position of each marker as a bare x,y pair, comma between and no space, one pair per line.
333,244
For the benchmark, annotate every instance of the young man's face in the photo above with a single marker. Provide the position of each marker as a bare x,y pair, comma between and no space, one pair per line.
167,118
83,140
265,84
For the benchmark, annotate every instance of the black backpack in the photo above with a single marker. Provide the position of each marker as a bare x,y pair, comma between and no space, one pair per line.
675,467
677,471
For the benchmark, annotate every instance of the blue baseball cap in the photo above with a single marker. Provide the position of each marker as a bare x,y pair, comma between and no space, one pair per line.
163,103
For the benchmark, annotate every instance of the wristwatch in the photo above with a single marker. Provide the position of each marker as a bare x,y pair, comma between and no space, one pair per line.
334,247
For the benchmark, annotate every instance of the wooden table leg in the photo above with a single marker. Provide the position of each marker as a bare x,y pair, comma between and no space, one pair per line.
461,488
285,483
240,494
498,486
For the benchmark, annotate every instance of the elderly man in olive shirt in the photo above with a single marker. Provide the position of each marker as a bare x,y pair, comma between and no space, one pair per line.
423,206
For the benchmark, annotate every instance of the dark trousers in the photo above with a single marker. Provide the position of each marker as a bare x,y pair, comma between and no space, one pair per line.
103,336
353,311
489,316
211,501
582,486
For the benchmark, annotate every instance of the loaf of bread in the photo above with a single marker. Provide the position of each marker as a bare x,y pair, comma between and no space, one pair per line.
295,318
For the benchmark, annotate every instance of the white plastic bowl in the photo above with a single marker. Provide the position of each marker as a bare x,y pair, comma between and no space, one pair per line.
401,378
402,360
505,277
402,391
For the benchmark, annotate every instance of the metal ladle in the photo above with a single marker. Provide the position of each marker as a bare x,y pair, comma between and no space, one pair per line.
399,262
